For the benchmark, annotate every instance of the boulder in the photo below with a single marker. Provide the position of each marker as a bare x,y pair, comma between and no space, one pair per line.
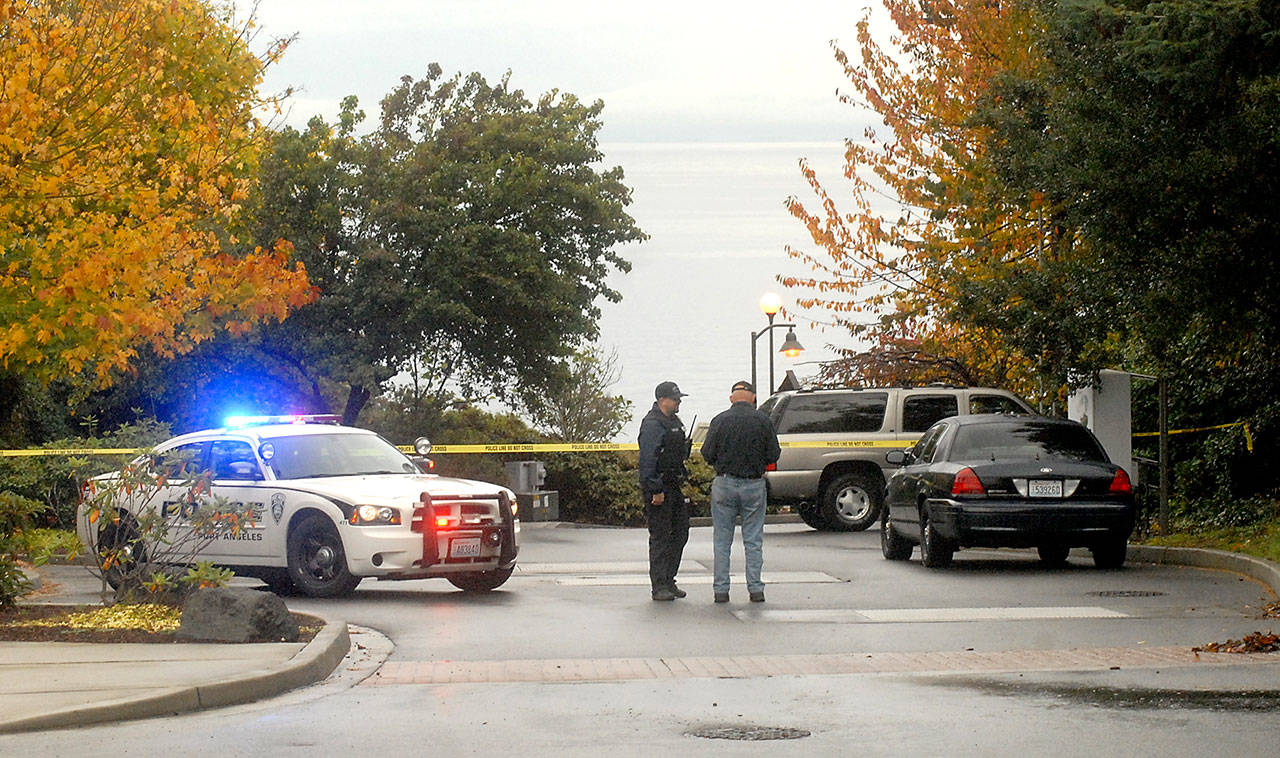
236,614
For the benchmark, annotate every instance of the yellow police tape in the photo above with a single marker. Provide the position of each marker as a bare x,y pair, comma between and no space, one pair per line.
1248,434
593,447
532,447
71,451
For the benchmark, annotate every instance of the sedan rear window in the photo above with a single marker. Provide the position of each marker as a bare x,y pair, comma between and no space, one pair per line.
1025,440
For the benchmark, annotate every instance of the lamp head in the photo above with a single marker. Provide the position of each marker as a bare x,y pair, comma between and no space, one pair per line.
791,347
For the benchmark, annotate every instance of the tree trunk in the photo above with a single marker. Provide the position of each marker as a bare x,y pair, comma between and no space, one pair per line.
356,400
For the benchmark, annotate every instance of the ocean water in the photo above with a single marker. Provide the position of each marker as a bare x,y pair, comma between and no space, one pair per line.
718,225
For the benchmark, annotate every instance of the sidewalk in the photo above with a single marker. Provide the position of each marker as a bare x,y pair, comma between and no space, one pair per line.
48,685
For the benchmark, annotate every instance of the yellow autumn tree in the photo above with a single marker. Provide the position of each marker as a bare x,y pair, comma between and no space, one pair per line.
922,218
127,141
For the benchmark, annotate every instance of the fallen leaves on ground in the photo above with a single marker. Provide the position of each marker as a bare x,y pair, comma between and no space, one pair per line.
1271,611
1258,642
147,622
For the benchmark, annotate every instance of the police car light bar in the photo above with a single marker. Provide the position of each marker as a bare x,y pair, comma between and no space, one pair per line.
234,422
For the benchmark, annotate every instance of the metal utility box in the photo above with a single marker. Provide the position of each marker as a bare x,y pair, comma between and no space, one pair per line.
539,506
525,478
1105,410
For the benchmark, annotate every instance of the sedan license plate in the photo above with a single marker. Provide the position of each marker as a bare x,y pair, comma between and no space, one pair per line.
1045,488
468,547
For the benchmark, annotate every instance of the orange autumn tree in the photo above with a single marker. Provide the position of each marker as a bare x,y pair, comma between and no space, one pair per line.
925,221
127,141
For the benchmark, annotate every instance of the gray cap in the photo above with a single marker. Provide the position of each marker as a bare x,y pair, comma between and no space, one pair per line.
668,389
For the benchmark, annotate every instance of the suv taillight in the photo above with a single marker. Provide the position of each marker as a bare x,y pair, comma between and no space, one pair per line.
967,483
1121,485
771,467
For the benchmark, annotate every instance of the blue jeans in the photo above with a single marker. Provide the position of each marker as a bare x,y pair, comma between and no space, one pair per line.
733,497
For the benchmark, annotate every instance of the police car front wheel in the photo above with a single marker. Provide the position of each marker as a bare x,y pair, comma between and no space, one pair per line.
481,581
317,562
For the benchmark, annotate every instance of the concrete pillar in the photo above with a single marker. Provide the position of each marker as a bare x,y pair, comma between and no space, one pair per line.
1105,409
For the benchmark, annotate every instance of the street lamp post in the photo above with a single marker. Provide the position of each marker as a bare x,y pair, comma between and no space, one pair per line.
791,347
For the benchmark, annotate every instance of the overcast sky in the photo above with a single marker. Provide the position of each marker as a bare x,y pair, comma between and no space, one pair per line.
688,71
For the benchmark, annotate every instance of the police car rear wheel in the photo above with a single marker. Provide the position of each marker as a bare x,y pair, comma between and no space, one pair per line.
317,562
481,581
120,550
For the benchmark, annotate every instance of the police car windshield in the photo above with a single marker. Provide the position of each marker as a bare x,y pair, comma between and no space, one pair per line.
314,455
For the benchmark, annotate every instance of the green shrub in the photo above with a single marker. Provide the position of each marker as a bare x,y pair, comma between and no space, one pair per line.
596,488
55,480
15,515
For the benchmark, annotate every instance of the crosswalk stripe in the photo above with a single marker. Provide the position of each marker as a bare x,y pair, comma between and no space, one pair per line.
618,580
742,667
925,615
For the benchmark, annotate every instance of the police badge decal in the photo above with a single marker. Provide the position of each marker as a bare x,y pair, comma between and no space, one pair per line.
277,506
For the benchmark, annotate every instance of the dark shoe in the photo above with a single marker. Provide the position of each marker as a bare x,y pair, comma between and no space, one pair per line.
757,597
677,591
662,593
722,597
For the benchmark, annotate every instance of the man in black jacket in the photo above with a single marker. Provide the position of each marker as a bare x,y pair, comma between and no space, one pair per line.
663,450
740,443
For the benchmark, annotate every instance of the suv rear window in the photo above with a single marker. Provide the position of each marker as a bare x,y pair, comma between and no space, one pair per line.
834,413
993,404
1025,440
920,411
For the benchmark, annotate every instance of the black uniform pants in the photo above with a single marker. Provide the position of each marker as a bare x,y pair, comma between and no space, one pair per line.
668,533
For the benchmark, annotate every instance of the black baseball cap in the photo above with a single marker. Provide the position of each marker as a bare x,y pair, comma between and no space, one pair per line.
743,386
667,389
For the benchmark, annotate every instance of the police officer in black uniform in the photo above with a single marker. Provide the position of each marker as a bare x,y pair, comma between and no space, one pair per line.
664,448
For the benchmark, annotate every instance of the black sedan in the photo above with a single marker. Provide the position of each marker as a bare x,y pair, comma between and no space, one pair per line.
1006,481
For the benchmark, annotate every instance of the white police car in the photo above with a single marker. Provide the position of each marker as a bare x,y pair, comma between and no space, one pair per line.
333,505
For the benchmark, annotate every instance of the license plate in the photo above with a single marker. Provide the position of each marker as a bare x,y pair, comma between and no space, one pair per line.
468,547
1045,488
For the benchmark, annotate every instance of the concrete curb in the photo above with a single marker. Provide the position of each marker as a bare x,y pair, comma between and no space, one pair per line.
317,659
1256,568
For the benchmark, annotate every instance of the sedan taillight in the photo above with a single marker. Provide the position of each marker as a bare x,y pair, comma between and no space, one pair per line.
1121,485
967,483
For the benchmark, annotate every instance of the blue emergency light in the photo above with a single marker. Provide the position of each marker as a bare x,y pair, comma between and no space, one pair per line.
237,422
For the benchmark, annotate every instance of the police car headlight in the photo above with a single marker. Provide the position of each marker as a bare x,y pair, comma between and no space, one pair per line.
374,515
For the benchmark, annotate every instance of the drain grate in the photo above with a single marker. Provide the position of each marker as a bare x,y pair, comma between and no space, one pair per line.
1127,593
748,733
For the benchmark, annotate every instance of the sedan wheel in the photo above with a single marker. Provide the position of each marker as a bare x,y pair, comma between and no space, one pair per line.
936,551
1054,556
851,502
894,546
1110,554
317,562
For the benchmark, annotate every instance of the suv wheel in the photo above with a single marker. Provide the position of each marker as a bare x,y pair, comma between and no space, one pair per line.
317,562
894,546
851,502
936,551
810,515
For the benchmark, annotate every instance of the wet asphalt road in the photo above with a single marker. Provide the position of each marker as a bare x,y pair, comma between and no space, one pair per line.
581,595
